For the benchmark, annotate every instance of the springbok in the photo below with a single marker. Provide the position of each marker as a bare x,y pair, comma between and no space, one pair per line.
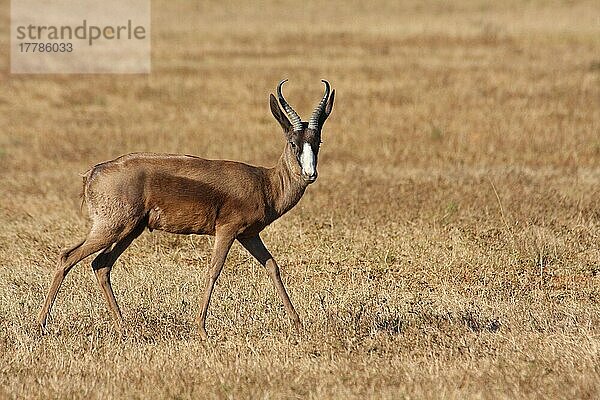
189,195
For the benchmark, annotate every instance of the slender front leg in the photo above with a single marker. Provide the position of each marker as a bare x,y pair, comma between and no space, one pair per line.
223,242
256,247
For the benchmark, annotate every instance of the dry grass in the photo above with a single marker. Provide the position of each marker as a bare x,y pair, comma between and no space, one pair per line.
449,249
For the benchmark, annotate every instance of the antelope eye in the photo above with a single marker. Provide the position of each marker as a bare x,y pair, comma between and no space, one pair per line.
293,145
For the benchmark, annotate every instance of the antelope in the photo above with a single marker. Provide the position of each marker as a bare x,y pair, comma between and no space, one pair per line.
186,194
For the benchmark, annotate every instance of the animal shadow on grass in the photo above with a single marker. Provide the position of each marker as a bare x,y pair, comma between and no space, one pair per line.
363,320
392,325
467,319
156,326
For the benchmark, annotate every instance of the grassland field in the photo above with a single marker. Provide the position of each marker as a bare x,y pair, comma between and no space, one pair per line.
449,249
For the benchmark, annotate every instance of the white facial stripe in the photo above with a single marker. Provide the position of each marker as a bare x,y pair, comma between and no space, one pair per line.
308,160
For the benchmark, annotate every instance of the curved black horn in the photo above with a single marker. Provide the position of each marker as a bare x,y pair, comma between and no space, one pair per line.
292,115
313,123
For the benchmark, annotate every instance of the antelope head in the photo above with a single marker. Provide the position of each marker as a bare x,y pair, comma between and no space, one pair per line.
303,139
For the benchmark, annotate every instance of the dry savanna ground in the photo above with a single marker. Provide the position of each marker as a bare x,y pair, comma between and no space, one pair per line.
449,249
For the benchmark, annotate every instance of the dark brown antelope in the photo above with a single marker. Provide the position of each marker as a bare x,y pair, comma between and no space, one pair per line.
190,195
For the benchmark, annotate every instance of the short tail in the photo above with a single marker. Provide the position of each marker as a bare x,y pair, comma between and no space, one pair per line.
84,188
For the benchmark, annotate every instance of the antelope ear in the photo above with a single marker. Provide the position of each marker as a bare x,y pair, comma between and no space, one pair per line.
279,115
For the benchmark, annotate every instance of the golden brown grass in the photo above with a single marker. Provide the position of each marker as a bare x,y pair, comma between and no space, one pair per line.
449,249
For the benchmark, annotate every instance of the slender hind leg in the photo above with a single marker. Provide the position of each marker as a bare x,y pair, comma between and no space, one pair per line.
102,265
93,243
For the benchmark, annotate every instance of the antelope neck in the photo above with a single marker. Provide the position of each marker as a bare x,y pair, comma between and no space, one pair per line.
288,186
